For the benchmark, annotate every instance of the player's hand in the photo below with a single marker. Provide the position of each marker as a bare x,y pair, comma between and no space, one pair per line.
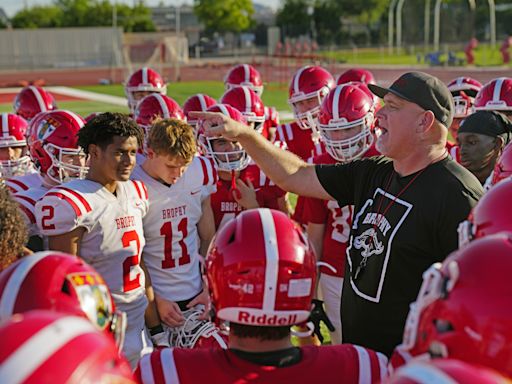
169,312
317,316
216,124
246,195
202,299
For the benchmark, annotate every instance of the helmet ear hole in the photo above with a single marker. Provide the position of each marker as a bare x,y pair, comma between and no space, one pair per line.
65,288
443,326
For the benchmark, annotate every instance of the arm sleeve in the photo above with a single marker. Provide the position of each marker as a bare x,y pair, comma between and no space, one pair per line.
55,216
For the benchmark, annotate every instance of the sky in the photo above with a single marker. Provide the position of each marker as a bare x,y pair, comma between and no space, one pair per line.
12,6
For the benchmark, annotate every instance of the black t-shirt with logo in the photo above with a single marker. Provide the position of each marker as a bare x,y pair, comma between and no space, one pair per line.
401,226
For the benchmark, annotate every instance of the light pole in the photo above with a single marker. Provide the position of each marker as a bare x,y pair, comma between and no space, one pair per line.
391,23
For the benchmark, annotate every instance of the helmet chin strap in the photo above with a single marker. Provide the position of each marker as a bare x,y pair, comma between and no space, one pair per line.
234,189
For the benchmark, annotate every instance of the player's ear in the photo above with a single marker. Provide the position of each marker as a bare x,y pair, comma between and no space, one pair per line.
150,153
93,151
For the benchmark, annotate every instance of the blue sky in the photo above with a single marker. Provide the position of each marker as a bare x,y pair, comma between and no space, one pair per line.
13,6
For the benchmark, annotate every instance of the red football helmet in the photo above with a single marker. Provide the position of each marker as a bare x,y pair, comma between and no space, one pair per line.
463,307
491,214
53,145
244,75
51,347
360,75
233,159
197,103
345,122
261,270
464,91
249,103
448,371
496,95
309,83
195,333
144,80
13,134
60,282
154,106
31,100
503,167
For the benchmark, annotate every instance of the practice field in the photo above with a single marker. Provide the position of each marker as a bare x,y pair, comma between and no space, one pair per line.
274,95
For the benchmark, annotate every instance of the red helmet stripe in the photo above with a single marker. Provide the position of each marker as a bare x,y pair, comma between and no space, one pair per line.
272,259
40,347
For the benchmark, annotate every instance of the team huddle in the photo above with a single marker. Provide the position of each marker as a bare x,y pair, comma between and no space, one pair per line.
161,246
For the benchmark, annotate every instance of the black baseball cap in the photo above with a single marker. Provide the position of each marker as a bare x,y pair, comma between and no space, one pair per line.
422,89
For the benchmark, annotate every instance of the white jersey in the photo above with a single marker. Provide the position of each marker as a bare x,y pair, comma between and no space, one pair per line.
112,242
114,237
171,253
27,203
19,184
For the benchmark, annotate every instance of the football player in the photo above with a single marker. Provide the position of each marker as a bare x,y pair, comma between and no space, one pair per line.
99,218
179,224
345,124
308,88
261,273
57,157
241,185
14,158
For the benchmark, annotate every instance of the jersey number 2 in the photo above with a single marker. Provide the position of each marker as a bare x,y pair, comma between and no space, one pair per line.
131,261
183,258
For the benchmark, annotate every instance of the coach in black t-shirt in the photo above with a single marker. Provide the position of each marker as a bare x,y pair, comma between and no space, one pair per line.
407,205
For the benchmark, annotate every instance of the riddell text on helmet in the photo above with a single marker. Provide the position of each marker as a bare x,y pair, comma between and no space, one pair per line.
247,318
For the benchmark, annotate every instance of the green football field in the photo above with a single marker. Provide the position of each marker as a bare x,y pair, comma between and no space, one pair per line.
274,95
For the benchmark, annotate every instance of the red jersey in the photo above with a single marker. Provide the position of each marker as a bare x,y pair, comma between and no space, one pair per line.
337,220
344,363
224,205
298,140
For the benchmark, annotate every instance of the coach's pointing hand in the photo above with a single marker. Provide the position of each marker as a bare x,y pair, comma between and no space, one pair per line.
216,124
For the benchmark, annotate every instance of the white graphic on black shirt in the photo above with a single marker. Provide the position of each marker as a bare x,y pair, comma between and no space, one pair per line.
371,242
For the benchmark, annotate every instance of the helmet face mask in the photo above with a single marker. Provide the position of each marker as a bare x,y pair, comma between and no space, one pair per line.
306,116
67,163
227,155
351,148
54,146
308,87
13,131
345,122
231,160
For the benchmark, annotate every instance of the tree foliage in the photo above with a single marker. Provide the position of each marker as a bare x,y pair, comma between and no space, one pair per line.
85,13
224,16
